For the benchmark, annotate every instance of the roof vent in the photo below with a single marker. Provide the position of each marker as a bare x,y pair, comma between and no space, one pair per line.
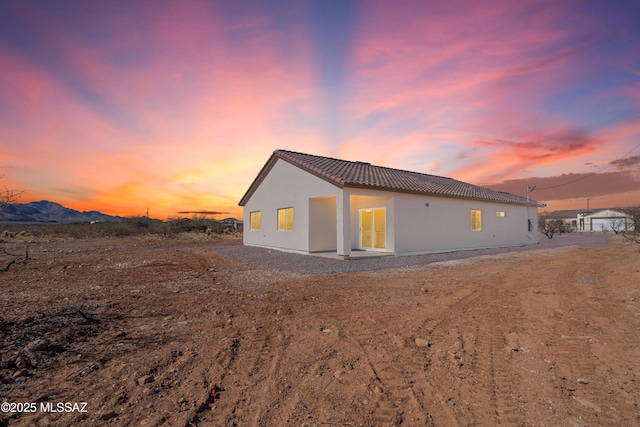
363,163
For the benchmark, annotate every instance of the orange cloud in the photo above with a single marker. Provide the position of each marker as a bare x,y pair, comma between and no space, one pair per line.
508,157
170,128
180,113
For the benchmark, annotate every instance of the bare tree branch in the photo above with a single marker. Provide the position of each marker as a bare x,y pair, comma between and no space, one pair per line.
8,196
549,227
633,232
16,258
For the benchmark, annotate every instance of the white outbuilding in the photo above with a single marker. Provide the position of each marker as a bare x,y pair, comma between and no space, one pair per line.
306,204
590,220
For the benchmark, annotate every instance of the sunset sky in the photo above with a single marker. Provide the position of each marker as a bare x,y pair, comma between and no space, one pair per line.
124,106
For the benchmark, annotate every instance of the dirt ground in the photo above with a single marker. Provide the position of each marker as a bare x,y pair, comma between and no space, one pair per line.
150,331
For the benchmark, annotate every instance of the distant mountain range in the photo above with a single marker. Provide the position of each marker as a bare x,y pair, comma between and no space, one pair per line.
46,212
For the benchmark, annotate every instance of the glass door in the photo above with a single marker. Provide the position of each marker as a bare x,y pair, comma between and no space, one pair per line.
373,228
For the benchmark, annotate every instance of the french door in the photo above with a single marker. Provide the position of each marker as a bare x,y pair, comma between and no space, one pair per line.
373,228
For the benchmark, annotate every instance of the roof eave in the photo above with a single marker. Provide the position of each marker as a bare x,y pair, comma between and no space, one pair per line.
258,180
311,169
342,183
532,203
277,154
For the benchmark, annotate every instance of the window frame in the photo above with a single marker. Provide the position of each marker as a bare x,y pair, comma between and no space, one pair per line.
476,220
286,222
254,220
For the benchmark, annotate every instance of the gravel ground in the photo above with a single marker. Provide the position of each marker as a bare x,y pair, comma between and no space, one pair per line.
312,265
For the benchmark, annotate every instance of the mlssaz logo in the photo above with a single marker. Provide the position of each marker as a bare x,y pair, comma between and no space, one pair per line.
63,407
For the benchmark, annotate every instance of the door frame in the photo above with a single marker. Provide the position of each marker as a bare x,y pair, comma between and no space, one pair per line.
373,243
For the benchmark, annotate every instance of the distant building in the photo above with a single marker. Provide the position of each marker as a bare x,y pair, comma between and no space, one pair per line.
589,220
236,224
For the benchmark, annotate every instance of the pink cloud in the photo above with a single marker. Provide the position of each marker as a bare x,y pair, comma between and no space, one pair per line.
173,128
423,54
181,112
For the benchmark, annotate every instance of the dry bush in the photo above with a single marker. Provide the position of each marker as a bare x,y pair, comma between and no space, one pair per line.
549,227
633,233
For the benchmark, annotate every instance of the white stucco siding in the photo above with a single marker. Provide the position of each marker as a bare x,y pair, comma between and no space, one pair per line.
608,220
284,186
604,220
323,224
445,225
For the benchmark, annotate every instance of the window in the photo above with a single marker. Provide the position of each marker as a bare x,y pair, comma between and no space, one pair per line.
476,220
500,214
255,220
285,219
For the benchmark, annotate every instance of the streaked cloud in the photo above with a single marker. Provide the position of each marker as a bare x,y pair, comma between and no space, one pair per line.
627,163
176,106
569,191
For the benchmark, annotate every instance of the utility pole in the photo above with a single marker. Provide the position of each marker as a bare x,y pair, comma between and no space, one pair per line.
529,190
589,198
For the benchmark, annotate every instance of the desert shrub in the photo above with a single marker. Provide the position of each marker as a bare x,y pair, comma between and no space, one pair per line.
633,232
126,227
550,227
134,226
198,225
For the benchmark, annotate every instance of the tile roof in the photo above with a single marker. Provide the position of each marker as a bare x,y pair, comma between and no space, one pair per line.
343,173
569,213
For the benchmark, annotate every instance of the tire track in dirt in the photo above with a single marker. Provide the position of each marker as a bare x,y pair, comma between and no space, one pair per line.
269,355
443,389
586,331
292,407
619,326
198,262
419,392
508,358
572,372
324,363
449,314
503,377
224,361
482,358
572,334
262,356
470,341
575,370
391,393
627,333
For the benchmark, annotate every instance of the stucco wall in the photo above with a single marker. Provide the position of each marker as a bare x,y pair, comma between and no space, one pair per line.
284,186
322,224
608,220
445,224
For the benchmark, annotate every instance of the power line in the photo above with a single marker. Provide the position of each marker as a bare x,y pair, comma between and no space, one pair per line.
591,174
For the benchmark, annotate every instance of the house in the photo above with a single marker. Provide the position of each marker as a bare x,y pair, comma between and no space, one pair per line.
304,203
236,224
588,220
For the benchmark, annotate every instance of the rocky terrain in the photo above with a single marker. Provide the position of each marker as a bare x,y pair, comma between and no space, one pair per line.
152,331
